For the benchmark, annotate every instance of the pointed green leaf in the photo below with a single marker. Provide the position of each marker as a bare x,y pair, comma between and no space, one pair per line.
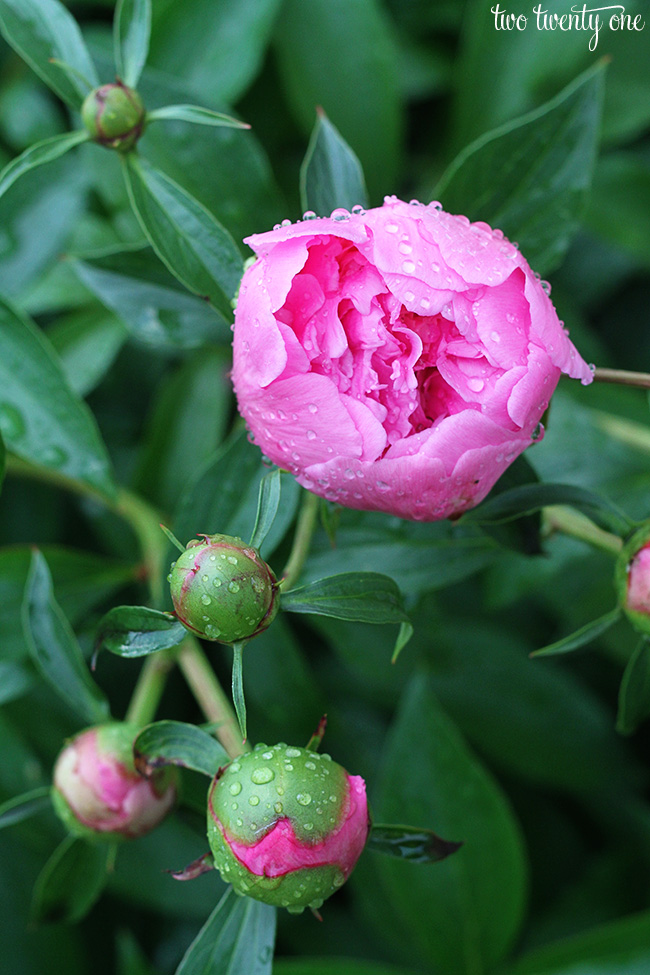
195,114
41,419
410,843
135,631
621,947
366,597
527,498
54,647
156,309
331,175
586,633
38,154
237,939
42,32
634,692
22,807
71,881
531,177
186,237
131,32
267,506
177,743
469,906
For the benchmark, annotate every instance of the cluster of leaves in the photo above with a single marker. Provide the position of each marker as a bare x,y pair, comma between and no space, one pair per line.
518,758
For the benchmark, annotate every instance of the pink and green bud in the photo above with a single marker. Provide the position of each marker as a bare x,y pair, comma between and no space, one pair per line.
97,791
633,579
287,825
114,116
222,590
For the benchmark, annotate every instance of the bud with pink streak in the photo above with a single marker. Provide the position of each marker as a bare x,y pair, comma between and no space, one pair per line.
287,825
633,579
99,794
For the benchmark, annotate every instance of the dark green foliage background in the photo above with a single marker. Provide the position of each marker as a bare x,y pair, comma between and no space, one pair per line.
465,734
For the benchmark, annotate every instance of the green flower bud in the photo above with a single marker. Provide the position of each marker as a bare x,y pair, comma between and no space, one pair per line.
114,115
286,825
223,590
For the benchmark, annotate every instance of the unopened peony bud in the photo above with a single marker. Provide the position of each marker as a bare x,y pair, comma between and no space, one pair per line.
223,590
97,791
287,825
114,115
633,579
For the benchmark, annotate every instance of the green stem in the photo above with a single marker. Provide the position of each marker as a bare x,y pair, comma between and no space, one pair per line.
629,432
574,523
210,695
301,540
622,377
149,687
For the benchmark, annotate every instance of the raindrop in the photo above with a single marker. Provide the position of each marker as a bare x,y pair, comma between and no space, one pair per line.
312,408
391,228
408,267
205,599
311,435
278,808
309,215
262,775
232,560
409,296
495,337
233,587
303,798
216,582
235,788
308,826
254,800
475,384
310,765
340,213
293,753
205,578
405,248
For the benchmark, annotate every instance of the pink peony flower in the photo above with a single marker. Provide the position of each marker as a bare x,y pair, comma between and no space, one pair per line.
98,792
287,825
397,359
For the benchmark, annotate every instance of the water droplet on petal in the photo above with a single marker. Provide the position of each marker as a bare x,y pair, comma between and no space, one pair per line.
408,267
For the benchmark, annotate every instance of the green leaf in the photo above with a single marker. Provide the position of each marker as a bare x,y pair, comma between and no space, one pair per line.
22,807
14,680
471,905
3,459
366,597
586,634
531,177
71,881
157,311
237,684
135,631
174,443
224,493
237,939
87,343
43,152
527,498
54,647
623,179
223,59
195,114
421,555
185,236
621,947
41,419
634,692
343,56
43,31
410,843
177,743
331,175
131,31
267,506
